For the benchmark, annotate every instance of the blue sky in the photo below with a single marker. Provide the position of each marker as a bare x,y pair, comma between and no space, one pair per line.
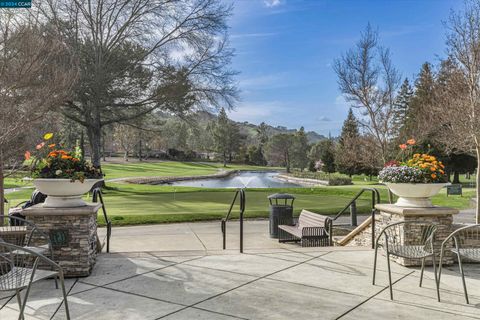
285,51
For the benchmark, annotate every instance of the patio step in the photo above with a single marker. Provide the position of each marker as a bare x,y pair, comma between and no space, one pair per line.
358,236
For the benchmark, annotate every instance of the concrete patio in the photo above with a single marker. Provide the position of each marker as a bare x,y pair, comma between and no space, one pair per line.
192,279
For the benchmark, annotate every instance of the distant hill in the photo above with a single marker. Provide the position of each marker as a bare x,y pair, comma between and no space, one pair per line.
250,129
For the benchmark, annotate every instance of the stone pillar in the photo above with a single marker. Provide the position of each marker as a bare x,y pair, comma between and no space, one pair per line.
441,216
73,232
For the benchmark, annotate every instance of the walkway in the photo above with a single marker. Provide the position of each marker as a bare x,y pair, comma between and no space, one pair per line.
179,271
296,283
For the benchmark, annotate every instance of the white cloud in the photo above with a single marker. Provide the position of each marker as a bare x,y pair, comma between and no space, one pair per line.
324,119
272,3
255,112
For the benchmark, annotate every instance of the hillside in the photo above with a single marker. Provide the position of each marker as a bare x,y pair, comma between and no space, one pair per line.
250,129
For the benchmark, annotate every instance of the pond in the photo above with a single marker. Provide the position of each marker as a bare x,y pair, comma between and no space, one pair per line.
248,179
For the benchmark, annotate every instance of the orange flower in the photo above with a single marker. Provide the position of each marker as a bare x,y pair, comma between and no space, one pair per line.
75,159
40,146
411,142
434,176
403,146
66,156
432,169
441,171
51,146
27,155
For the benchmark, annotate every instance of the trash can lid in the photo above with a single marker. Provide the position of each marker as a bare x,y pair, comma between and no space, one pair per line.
281,196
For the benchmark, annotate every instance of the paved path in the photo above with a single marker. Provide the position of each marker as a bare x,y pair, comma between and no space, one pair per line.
293,283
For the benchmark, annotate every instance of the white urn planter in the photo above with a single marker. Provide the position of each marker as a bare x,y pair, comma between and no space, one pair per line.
415,195
63,193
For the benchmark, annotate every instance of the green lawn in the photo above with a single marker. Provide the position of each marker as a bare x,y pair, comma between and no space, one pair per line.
168,169
129,204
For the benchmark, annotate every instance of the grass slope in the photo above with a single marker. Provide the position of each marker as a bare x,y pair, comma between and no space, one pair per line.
129,204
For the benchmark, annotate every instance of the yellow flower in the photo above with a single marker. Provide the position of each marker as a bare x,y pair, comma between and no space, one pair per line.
48,136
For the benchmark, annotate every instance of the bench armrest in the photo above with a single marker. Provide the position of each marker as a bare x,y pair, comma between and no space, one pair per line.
314,231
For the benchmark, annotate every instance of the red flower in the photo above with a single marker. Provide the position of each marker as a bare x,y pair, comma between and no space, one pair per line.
403,146
40,146
391,163
411,142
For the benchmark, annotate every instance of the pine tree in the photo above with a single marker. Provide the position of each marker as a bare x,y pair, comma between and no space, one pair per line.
423,97
328,157
226,136
347,151
350,128
300,149
402,109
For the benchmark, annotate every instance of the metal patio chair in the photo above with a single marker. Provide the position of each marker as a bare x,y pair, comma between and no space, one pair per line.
19,269
466,242
21,232
419,245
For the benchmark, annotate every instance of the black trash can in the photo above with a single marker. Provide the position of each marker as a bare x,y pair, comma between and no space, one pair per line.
281,212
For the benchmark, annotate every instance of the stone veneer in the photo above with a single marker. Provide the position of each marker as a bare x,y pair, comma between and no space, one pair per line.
389,213
78,255
440,216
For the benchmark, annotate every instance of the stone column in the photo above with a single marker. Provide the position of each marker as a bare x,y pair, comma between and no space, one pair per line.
440,216
73,232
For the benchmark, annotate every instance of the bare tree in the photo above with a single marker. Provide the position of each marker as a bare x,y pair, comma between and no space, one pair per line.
140,55
125,136
456,111
369,82
36,75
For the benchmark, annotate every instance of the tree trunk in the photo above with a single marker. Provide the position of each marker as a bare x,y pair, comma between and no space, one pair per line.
125,156
477,180
140,150
456,177
94,133
2,190
82,144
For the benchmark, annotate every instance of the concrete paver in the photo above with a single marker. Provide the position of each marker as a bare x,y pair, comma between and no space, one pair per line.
177,281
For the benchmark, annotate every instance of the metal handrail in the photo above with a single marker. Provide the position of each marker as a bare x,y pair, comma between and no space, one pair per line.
96,196
375,200
241,193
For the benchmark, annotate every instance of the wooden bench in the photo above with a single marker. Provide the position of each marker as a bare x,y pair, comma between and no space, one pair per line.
312,230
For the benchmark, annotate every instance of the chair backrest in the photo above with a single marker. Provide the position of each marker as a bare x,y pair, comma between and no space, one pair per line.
17,265
467,237
310,219
20,232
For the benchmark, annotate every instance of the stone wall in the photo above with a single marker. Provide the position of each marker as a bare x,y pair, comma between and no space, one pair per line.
77,254
388,214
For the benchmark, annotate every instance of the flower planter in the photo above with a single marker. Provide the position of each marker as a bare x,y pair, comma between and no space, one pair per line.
63,193
415,195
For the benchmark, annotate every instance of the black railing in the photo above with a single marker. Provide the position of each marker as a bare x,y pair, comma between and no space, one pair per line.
96,197
239,194
352,206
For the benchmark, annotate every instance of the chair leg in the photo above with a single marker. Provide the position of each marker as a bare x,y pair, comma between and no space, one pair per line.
439,274
24,304
389,276
435,274
421,272
19,300
463,277
374,265
62,283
